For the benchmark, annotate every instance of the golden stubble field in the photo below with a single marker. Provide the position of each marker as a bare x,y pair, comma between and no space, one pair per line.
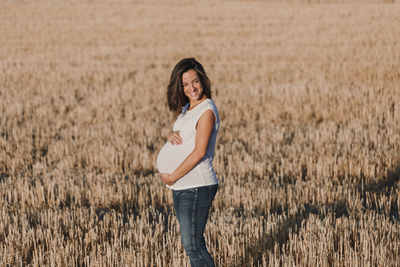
308,155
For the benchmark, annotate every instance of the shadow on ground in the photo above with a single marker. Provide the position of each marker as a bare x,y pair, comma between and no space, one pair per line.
256,250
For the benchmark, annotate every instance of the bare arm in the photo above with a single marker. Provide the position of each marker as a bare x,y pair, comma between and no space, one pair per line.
203,132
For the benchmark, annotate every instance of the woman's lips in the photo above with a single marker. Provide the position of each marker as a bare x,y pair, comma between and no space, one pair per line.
194,93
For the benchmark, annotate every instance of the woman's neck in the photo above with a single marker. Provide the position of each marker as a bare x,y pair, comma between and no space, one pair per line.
193,104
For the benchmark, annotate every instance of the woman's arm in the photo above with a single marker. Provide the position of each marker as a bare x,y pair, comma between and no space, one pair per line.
203,132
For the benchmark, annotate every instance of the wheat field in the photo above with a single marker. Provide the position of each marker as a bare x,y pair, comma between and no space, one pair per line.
308,155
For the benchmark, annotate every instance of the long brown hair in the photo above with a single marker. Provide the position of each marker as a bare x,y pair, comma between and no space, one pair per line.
175,95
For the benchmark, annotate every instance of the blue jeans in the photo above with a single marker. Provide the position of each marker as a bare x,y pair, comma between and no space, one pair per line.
191,207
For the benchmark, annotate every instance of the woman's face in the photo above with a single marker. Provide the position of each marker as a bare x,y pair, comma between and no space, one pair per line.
192,86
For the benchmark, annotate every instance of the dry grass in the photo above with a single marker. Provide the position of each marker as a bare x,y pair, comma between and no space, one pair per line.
307,156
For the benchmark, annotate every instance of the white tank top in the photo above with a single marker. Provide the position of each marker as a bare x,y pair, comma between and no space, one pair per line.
171,156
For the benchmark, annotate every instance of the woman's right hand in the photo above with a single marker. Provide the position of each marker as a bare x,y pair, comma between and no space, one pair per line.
174,138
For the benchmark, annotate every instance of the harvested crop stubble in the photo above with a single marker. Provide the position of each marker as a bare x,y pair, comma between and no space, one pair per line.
307,156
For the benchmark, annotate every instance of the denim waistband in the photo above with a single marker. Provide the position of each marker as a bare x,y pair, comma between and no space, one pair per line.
199,187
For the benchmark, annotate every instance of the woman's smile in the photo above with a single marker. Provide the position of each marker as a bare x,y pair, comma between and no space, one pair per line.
194,93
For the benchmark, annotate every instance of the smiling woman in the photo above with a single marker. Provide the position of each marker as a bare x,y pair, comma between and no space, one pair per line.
185,161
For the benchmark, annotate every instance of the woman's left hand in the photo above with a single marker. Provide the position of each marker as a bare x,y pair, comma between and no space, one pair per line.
167,179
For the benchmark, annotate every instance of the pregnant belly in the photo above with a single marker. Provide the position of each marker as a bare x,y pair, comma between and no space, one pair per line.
171,156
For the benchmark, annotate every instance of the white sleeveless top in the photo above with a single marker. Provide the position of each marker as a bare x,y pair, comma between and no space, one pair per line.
171,156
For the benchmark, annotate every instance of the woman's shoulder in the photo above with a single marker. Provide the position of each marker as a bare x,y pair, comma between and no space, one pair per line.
204,105
209,103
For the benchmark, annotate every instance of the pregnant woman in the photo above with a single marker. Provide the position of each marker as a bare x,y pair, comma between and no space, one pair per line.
185,161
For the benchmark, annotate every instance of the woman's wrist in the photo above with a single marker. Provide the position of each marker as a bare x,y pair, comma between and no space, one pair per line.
173,177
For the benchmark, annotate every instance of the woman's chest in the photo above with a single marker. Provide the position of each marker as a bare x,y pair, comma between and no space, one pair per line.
186,125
